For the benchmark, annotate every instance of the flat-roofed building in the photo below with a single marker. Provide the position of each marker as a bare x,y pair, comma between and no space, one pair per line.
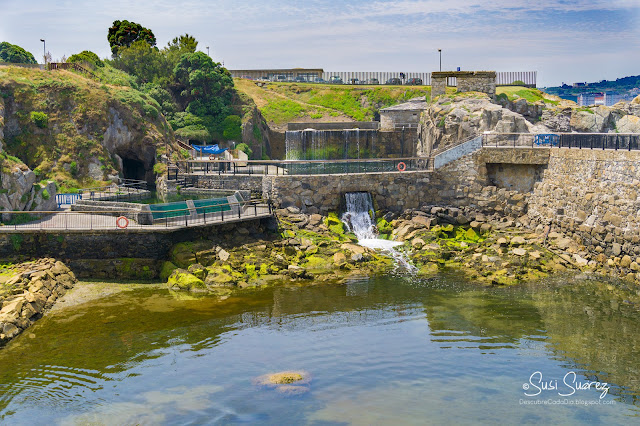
285,74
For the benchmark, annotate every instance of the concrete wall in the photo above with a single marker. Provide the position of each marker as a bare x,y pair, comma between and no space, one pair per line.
391,119
457,152
370,125
370,143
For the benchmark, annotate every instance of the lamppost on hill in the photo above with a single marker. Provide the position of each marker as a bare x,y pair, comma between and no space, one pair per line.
44,51
208,52
440,52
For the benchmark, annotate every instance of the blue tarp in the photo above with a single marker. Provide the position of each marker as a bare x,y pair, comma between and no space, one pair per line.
209,149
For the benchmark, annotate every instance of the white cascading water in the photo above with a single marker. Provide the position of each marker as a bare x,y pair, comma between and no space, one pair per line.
359,216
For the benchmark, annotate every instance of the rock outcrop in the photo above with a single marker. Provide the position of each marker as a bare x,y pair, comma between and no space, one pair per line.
78,130
20,192
450,119
28,291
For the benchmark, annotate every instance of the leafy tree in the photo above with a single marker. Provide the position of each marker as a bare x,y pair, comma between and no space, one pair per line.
140,60
125,33
205,87
184,119
14,54
162,96
195,132
232,128
87,57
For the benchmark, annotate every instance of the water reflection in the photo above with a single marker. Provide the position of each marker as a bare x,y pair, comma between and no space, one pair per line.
355,336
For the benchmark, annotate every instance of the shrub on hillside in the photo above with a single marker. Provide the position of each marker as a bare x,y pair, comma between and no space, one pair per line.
40,119
196,132
87,57
232,128
15,54
245,148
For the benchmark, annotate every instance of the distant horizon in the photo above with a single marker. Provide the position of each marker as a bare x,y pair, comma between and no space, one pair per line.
583,40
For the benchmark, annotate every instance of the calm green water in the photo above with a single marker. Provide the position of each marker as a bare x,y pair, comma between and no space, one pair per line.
156,198
383,350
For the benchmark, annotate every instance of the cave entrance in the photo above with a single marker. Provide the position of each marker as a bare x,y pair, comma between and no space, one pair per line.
133,169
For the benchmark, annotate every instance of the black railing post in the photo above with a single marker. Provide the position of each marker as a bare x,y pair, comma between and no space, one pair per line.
222,214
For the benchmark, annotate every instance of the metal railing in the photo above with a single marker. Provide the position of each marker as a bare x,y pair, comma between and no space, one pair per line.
51,66
128,189
118,220
225,168
614,141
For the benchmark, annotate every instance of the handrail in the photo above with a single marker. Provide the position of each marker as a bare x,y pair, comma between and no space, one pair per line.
66,65
440,150
349,160
143,219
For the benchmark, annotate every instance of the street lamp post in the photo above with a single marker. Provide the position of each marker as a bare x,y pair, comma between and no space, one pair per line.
208,51
440,52
44,51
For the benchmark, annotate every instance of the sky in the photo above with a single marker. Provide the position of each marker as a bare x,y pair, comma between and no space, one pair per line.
563,40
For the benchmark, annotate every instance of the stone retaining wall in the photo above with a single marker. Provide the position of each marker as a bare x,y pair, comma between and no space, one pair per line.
28,292
113,253
323,193
592,195
213,181
467,81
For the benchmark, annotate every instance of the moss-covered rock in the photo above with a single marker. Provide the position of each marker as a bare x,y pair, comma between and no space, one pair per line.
334,223
184,280
166,270
182,255
198,270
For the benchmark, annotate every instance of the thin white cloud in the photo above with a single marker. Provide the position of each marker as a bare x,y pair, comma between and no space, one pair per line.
356,35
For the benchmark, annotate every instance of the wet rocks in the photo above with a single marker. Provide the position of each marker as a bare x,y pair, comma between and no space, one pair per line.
29,289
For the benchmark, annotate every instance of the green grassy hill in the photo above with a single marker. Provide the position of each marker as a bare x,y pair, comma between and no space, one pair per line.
56,122
280,103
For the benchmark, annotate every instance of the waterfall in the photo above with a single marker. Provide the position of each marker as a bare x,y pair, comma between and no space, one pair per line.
310,144
360,219
358,215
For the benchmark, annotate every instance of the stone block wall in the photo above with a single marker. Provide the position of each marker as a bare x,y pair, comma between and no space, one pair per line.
214,181
467,81
323,193
438,85
592,195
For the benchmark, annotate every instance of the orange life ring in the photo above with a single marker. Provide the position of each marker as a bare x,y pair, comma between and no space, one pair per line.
402,167
120,219
212,157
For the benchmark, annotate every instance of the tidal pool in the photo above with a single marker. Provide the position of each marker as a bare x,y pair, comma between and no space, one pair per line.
374,350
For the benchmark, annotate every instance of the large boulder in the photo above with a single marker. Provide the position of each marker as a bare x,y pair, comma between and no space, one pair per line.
183,280
19,190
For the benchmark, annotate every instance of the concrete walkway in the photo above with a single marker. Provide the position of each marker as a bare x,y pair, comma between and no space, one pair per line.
83,222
